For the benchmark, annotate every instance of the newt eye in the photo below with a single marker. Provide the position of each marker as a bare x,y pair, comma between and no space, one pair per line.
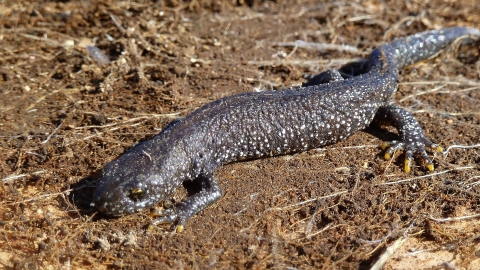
136,194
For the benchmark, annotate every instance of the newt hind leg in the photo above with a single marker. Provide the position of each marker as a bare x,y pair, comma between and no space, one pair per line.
413,139
330,75
348,70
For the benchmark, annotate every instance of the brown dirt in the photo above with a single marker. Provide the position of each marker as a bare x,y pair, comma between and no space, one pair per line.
62,117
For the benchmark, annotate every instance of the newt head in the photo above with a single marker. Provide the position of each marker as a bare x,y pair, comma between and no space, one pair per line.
135,181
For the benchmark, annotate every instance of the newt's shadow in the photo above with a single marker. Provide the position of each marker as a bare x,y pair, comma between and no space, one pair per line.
82,192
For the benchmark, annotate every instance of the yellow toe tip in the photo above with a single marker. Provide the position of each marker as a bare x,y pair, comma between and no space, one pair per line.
407,166
430,167
180,228
384,145
387,156
439,149
150,227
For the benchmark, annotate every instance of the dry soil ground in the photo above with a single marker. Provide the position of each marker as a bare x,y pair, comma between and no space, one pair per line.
63,116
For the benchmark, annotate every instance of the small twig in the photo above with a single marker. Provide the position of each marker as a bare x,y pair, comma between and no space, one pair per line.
117,24
447,81
407,19
322,47
460,146
51,134
36,154
328,63
292,52
388,253
41,197
171,115
425,176
15,177
372,242
311,200
391,250
423,93
474,183
442,220
46,40
364,146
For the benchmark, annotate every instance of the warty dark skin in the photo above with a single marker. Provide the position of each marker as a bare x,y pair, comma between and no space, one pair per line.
269,123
